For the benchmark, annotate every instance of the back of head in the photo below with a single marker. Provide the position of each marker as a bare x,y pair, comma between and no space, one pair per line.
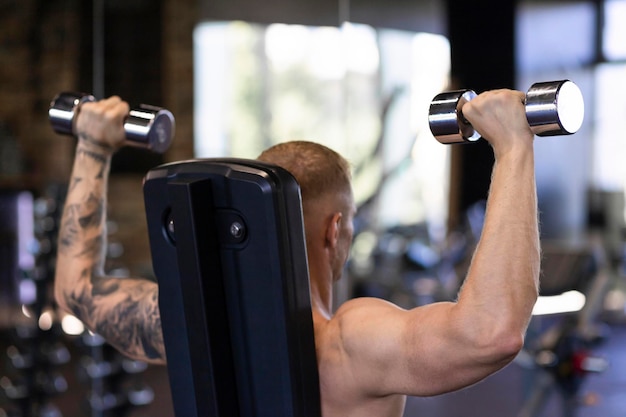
319,170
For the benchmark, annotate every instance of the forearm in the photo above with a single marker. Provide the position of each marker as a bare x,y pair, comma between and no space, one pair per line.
503,280
82,234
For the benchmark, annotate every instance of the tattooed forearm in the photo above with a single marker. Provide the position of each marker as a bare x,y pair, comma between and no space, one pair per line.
101,154
68,235
90,139
100,158
75,182
94,209
93,248
78,219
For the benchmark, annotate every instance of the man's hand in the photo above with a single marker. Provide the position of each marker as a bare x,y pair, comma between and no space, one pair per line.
500,117
102,122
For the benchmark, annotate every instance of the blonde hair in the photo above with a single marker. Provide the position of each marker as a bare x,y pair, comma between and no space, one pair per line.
318,169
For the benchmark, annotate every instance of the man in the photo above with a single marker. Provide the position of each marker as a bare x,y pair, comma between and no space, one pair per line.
371,353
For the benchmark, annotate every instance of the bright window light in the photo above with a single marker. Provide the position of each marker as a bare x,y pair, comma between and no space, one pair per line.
325,58
614,47
257,85
360,48
609,146
210,57
286,45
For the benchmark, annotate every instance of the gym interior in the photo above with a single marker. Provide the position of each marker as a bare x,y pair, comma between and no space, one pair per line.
358,76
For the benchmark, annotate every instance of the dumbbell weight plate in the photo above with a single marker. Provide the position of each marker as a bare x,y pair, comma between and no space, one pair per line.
61,111
151,127
446,120
555,108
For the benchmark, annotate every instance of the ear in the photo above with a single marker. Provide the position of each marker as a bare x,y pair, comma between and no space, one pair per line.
332,230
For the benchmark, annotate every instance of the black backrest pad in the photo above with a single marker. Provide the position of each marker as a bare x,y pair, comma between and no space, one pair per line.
228,250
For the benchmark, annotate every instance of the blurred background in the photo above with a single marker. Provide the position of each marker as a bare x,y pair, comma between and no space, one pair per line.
355,75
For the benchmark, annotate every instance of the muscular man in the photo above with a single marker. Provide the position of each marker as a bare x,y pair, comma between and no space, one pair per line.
371,353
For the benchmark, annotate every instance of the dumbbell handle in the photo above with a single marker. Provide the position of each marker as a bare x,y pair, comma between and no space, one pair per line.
146,126
552,108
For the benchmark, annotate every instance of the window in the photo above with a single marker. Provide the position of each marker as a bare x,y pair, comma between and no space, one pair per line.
557,40
346,87
614,31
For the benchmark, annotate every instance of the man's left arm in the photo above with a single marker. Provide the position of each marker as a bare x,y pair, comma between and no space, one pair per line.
122,310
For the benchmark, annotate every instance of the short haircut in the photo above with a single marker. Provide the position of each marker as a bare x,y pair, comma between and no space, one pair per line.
318,169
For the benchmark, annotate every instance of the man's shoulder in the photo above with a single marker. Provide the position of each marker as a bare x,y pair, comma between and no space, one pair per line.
356,320
365,305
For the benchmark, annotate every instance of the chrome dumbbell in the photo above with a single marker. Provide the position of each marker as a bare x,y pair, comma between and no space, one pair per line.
146,126
552,108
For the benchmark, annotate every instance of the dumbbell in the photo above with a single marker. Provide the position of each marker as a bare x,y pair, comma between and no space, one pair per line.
147,126
552,108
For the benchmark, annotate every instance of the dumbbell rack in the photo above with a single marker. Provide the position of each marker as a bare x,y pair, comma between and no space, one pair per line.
115,384
36,353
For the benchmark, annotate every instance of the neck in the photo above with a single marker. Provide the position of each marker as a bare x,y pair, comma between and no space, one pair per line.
321,290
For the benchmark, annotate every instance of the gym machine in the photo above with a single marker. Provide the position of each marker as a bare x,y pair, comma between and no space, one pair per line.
228,250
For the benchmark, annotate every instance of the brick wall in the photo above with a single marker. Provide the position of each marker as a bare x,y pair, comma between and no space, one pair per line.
36,49
40,50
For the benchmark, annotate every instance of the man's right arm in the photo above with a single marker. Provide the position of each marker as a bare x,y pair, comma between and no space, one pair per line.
446,346
122,310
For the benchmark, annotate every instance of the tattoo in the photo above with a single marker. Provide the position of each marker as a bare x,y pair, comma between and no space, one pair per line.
88,138
102,287
75,223
152,336
68,235
122,310
93,155
127,316
95,209
98,157
93,247
75,182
